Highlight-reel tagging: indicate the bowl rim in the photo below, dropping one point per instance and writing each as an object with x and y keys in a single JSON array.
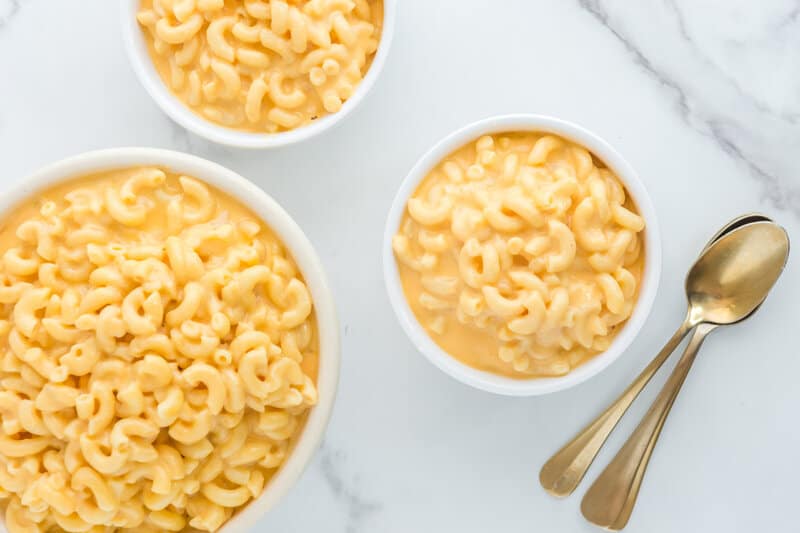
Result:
[
  {"x": 295, "y": 241},
  {"x": 488, "y": 381},
  {"x": 183, "y": 116}
]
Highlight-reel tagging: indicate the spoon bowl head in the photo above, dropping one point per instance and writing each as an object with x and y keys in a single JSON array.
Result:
[{"x": 736, "y": 272}]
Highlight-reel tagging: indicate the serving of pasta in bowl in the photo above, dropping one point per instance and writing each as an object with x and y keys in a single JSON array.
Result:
[
  {"x": 257, "y": 73},
  {"x": 170, "y": 349},
  {"x": 522, "y": 255}
]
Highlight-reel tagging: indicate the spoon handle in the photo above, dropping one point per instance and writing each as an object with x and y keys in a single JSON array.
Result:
[
  {"x": 562, "y": 473},
  {"x": 609, "y": 501}
]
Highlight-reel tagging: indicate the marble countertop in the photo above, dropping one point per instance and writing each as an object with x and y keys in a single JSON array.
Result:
[{"x": 703, "y": 98}]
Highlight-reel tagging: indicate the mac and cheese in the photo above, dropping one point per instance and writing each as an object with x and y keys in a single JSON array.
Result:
[
  {"x": 158, "y": 353},
  {"x": 521, "y": 254},
  {"x": 262, "y": 65}
]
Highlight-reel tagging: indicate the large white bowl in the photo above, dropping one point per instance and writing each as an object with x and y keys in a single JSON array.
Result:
[
  {"x": 652, "y": 271},
  {"x": 296, "y": 243},
  {"x": 177, "y": 110}
]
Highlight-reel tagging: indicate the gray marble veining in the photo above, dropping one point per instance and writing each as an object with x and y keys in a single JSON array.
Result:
[
  {"x": 359, "y": 508},
  {"x": 8, "y": 8},
  {"x": 748, "y": 127}
]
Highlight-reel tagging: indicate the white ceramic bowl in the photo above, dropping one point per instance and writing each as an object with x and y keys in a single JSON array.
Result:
[
  {"x": 485, "y": 380},
  {"x": 177, "y": 110},
  {"x": 297, "y": 244}
]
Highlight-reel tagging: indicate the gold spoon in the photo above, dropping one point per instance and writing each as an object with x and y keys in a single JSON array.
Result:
[
  {"x": 736, "y": 223},
  {"x": 726, "y": 285},
  {"x": 562, "y": 473}
]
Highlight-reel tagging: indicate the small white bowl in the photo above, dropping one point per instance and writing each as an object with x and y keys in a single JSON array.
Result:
[
  {"x": 486, "y": 380},
  {"x": 296, "y": 243},
  {"x": 180, "y": 113}
]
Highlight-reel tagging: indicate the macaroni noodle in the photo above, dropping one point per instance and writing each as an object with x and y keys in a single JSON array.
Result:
[
  {"x": 262, "y": 65},
  {"x": 521, "y": 254},
  {"x": 158, "y": 353}
]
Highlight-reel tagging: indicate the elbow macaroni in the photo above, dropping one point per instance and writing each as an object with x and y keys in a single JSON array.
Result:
[
  {"x": 262, "y": 65},
  {"x": 138, "y": 396},
  {"x": 521, "y": 254}
]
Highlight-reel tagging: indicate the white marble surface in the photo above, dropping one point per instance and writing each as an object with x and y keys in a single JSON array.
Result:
[{"x": 702, "y": 97}]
